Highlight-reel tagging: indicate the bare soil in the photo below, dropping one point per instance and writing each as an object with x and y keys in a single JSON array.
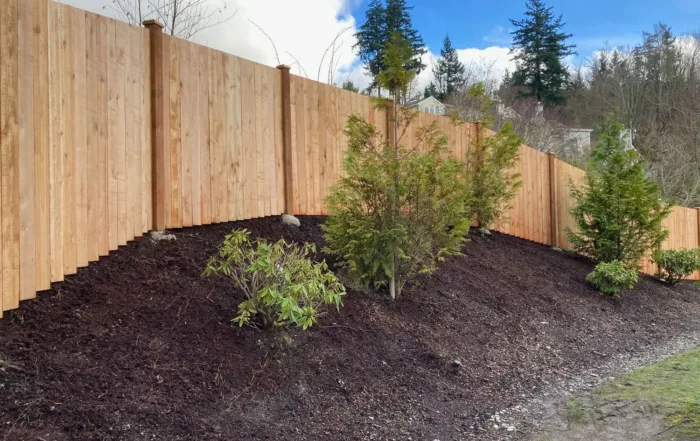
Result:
[{"x": 139, "y": 347}]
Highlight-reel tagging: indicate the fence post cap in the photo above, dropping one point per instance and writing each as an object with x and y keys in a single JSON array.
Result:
[
  {"x": 153, "y": 24},
  {"x": 551, "y": 153},
  {"x": 284, "y": 67}
]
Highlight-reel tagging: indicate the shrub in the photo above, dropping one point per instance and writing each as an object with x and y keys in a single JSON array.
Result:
[
  {"x": 392, "y": 217},
  {"x": 396, "y": 212},
  {"x": 491, "y": 183},
  {"x": 675, "y": 265},
  {"x": 282, "y": 285},
  {"x": 610, "y": 278},
  {"x": 618, "y": 211}
]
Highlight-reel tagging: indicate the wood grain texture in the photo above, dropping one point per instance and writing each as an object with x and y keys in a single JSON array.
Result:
[
  {"x": 41, "y": 146},
  {"x": 93, "y": 135},
  {"x": 187, "y": 116},
  {"x": 175, "y": 135},
  {"x": 205, "y": 139},
  {"x": 80, "y": 138},
  {"x": 231, "y": 148},
  {"x": 248, "y": 119},
  {"x": 70, "y": 251},
  {"x": 56, "y": 104},
  {"x": 25, "y": 96}
]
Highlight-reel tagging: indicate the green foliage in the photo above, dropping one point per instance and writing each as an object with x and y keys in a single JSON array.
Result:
[
  {"x": 539, "y": 47},
  {"x": 491, "y": 185},
  {"x": 449, "y": 71},
  {"x": 283, "y": 286},
  {"x": 397, "y": 55},
  {"x": 610, "y": 278},
  {"x": 430, "y": 90},
  {"x": 383, "y": 20},
  {"x": 618, "y": 211},
  {"x": 349, "y": 85},
  {"x": 396, "y": 212},
  {"x": 675, "y": 265}
]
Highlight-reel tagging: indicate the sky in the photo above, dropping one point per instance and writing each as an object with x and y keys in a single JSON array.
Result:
[{"x": 303, "y": 30}]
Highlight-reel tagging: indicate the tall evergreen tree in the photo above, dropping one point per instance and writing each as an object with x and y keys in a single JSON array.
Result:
[
  {"x": 449, "y": 71},
  {"x": 538, "y": 47},
  {"x": 383, "y": 20},
  {"x": 430, "y": 90}
]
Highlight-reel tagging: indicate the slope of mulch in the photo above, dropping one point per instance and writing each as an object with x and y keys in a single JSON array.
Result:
[{"x": 139, "y": 347}]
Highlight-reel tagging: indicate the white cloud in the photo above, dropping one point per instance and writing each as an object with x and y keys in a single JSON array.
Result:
[
  {"x": 487, "y": 65},
  {"x": 499, "y": 35},
  {"x": 303, "y": 28}
]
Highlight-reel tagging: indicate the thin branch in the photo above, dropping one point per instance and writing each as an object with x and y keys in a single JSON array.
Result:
[{"x": 277, "y": 55}]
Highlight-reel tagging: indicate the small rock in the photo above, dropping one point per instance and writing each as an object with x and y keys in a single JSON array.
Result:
[
  {"x": 289, "y": 219},
  {"x": 457, "y": 363},
  {"x": 484, "y": 232},
  {"x": 158, "y": 236},
  {"x": 557, "y": 249}
]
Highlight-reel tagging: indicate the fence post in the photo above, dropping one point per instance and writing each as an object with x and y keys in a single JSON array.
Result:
[
  {"x": 390, "y": 122},
  {"x": 553, "y": 198},
  {"x": 697, "y": 209},
  {"x": 286, "y": 103},
  {"x": 159, "y": 108}
]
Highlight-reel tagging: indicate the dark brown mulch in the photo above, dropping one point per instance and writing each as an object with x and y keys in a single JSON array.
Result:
[{"x": 139, "y": 347}]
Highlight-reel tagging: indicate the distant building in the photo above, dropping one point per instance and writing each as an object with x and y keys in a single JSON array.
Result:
[
  {"x": 580, "y": 139},
  {"x": 430, "y": 105}
]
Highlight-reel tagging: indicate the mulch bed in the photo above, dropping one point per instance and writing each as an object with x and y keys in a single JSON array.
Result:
[{"x": 139, "y": 347}]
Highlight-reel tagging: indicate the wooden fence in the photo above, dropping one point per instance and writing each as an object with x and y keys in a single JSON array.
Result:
[{"x": 108, "y": 131}]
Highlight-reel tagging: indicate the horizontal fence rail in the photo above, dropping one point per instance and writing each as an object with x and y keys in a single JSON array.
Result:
[{"x": 108, "y": 131}]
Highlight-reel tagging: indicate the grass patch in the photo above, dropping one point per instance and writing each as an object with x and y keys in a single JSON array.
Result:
[
  {"x": 574, "y": 410},
  {"x": 672, "y": 386}
]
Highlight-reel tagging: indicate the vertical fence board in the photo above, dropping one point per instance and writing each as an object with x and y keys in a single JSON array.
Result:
[
  {"x": 187, "y": 113},
  {"x": 70, "y": 252},
  {"x": 93, "y": 135},
  {"x": 41, "y": 147},
  {"x": 249, "y": 165},
  {"x": 25, "y": 94},
  {"x": 175, "y": 135},
  {"x": 80, "y": 138},
  {"x": 259, "y": 160},
  {"x": 232, "y": 86},
  {"x": 300, "y": 142},
  {"x": 56, "y": 135},
  {"x": 196, "y": 128},
  {"x": 204, "y": 159}
]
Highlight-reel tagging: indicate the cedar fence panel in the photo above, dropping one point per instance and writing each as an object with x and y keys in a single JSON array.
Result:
[{"x": 108, "y": 131}]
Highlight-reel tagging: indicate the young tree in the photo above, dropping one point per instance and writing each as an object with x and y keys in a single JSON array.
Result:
[
  {"x": 181, "y": 18},
  {"x": 491, "y": 185},
  {"x": 539, "y": 47},
  {"x": 449, "y": 71},
  {"x": 383, "y": 21},
  {"x": 619, "y": 212},
  {"x": 396, "y": 212}
]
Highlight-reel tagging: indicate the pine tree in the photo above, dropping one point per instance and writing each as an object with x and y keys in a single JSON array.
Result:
[
  {"x": 539, "y": 46},
  {"x": 430, "y": 90},
  {"x": 449, "y": 71},
  {"x": 619, "y": 212},
  {"x": 381, "y": 23}
]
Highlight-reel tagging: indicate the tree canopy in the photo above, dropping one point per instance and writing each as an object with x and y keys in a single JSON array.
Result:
[{"x": 539, "y": 45}]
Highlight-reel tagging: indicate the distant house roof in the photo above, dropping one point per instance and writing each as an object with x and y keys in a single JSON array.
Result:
[{"x": 426, "y": 102}]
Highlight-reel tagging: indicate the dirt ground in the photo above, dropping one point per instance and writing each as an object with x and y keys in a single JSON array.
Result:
[{"x": 139, "y": 347}]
